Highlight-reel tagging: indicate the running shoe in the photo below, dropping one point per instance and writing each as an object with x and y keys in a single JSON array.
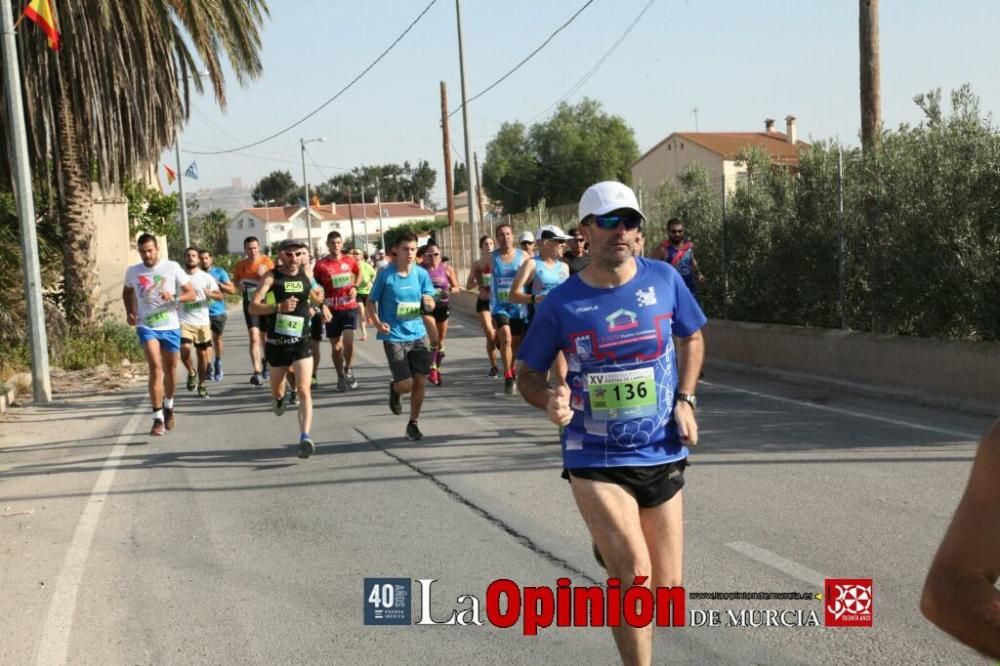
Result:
[
  {"x": 266, "y": 372},
  {"x": 279, "y": 407},
  {"x": 218, "y": 371},
  {"x": 352, "y": 383},
  {"x": 341, "y": 385},
  {"x": 255, "y": 379},
  {"x": 597, "y": 555},
  {"x": 494, "y": 372},
  {"x": 434, "y": 377},
  {"x": 306, "y": 447},
  {"x": 395, "y": 406},
  {"x": 168, "y": 418},
  {"x": 192, "y": 381},
  {"x": 157, "y": 429},
  {"x": 293, "y": 398},
  {"x": 314, "y": 382},
  {"x": 508, "y": 385},
  {"x": 203, "y": 391},
  {"x": 413, "y": 432}
]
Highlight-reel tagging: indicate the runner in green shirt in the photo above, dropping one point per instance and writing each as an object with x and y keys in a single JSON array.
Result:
[{"x": 364, "y": 288}]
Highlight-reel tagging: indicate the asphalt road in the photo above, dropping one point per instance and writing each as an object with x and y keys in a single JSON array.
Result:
[{"x": 216, "y": 544}]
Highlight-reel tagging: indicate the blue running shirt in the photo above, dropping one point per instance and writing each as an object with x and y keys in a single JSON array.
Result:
[
  {"x": 398, "y": 301},
  {"x": 503, "y": 279},
  {"x": 546, "y": 278},
  {"x": 216, "y": 308},
  {"x": 622, "y": 364}
]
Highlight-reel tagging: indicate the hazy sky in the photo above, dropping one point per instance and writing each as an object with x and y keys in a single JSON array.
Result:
[{"x": 737, "y": 61}]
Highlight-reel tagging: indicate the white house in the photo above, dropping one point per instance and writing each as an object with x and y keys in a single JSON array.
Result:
[{"x": 272, "y": 224}]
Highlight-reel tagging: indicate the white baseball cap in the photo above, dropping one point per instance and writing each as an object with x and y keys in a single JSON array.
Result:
[
  {"x": 551, "y": 231},
  {"x": 526, "y": 237},
  {"x": 605, "y": 197}
]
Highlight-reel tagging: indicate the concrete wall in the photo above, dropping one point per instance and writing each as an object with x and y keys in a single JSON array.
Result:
[
  {"x": 114, "y": 249},
  {"x": 944, "y": 371},
  {"x": 949, "y": 370}
]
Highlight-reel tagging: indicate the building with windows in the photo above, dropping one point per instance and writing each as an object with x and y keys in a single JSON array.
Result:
[
  {"x": 272, "y": 224},
  {"x": 716, "y": 152}
]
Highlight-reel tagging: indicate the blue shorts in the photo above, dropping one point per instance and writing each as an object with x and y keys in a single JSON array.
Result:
[{"x": 170, "y": 339}]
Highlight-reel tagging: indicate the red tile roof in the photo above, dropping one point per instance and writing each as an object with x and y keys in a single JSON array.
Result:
[
  {"x": 728, "y": 144},
  {"x": 340, "y": 212}
]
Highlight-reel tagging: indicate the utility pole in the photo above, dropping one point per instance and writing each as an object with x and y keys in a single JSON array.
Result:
[
  {"x": 180, "y": 187},
  {"x": 479, "y": 188},
  {"x": 378, "y": 202},
  {"x": 350, "y": 208},
  {"x": 473, "y": 227},
  {"x": 364, "y": 217},
  {"x": 871, "y": 129},
  {"x": 446, "y": 140},
  {"x": 871, "y": 95},
  {"x": 41, "y": 386}
]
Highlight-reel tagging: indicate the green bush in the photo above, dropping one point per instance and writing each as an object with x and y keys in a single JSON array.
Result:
[
  {"x": 110, "y": 343},
  {"x": 925, "y": 263}
]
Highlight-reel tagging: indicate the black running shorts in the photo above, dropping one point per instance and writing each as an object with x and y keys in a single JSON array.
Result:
[
  {"x": 651, "y": 486},
  {"x": 218, "y": 323},
  {"x": 517, "y": 326},
  {"x": 284, "y": 355},
  {"x": 343, "y": 320},
  {"x": 482, "y": 305},
  {"x": 441, "y": 312}
]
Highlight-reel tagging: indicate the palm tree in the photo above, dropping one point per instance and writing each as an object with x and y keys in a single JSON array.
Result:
[{"x": 105, "y": 106}]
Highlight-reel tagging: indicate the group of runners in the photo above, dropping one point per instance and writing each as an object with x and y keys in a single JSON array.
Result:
[{"x": 608, "y": 343}]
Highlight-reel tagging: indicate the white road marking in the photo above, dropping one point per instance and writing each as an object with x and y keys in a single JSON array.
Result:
[
  {"x": 54, "y": 645},
  {"x": 793, "y": 569},
  {"x": 849, "y": 412}
]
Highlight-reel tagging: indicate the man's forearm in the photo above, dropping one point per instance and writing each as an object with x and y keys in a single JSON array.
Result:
[
  {"x": 533, "y": 386},
  {"x": 690, "y": 357}
]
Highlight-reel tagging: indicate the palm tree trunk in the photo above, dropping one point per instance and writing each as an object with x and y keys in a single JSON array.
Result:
[{"x": 76, "y": 214}]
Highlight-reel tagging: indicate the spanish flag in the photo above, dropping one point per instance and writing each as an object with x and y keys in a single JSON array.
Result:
[
  {"x": 40, "y": 11},
  {"x": 171, "y": 175}
]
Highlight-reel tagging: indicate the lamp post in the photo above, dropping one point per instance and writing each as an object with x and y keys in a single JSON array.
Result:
[{"x": 305, "y": 186}]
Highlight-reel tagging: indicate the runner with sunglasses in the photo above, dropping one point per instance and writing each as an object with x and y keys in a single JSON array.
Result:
[
  {"x": 480, "y": 278},
  {"x": 540, "y": 275},
  {"x": 288, "y": 345},
  {"x": 626, "y": 417}
]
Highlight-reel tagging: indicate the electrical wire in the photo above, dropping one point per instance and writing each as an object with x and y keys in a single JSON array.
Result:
[
  {"x": 579, "y": 84},
  {"x": 332, "y": 99},
  {"x": 529, "y": 57}
]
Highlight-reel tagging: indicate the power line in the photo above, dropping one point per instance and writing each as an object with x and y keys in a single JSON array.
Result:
[
  {"x": 579, "y": 84},
  {"x": 331, "y": 100},
  {"x": 529, "y": 57}
]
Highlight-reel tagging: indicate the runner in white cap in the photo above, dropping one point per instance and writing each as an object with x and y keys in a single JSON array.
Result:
[
  {"x": 627, "y": 418},
  {"x": 540, "y": 275}
]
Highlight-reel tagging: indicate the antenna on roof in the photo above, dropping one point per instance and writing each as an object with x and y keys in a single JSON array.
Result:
[{"x": 695, "y": 109}]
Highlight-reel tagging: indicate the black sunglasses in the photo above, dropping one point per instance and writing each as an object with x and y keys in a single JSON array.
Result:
[{"x": 611, "y": 221}]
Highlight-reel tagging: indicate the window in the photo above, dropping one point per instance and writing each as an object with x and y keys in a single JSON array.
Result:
[{"x": 239, "y": 224}]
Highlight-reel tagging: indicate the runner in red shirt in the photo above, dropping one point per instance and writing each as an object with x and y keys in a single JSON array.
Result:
[{"x": 339, "y": 275}]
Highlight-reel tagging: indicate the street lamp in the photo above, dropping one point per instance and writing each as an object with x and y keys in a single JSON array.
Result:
[{"x": 305, "y": 186}]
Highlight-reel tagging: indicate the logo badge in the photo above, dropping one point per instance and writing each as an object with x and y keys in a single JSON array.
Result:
[
  {"x": 647, "y": 297},
  {"x": 386, "y": 600},
  {"x": 848, "y": 602},
  {"x": 621, "y": 320}
]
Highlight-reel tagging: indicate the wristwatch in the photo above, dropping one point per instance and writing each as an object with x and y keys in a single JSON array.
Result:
[{"x": 689, "y": 399}]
